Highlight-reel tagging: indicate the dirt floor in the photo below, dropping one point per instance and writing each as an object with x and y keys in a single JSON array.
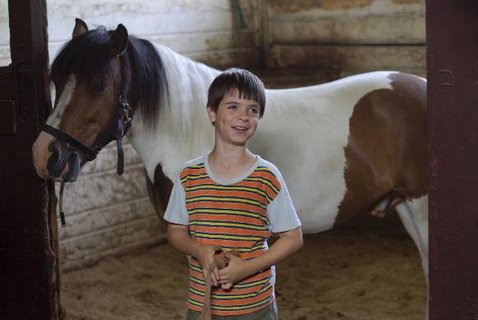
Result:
[{"x": 346, "y": 274}]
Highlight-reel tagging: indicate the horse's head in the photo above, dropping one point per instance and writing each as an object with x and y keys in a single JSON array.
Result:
[{"x": 90, "y": 79}]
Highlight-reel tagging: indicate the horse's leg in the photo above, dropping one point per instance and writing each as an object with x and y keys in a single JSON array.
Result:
[
  {"x": 159, "y": 191},
  {"x": 414, "y": 216}
]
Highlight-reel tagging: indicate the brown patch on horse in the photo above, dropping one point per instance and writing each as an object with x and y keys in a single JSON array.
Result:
[
  {"x": 97, "y": 113},
  {"x": 159, "y": 192},
  {"x": 386, "y": 155}
]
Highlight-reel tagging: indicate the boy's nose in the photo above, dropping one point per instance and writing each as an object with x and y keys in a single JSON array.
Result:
[{"x": 243, "y": 114}]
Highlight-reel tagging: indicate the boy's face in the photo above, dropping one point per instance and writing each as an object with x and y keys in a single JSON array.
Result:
[{"x": 235, "y": 119}]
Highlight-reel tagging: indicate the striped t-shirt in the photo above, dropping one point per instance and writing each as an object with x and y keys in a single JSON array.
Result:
[{"x": 238, "y": 214}]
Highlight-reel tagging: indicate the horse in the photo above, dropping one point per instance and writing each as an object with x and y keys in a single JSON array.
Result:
[{"x": 352, "y": 146}]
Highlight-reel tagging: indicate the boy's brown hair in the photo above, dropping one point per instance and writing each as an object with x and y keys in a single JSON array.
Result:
[{"x": 248, "y": 84}]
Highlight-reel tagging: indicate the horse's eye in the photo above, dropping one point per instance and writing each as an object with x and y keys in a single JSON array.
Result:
[{"x": 99, "y": 86}]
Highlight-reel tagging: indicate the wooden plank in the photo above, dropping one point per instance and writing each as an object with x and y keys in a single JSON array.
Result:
[
  {"x": 146, "y": 18},
  {"x": 382, "y": 29},
  {"x": 452, "y": 30},
  {"x": 8, "y": 121},
  {"x": 351, "y": 59},
  {"x": 101, "y": 219},
  {"x": 28, "y": 242},
  {"x": 211, "y": 41},
  {"x": 104, "y": 189},
  {"x": 313, "y": 9},
  {"x": 225, "y": 59},
  {"x": 82, "y": 252},
  {"x": 186, "y": 27}
]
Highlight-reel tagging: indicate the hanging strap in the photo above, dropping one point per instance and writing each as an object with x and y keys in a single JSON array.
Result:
[{"x": 60, "y": 205}]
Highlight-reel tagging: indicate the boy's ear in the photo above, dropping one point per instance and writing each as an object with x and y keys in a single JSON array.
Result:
[{"x": 211, "y": 114}]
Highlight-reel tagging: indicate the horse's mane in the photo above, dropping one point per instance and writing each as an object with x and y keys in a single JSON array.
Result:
[{"x": 88, "y": 53}]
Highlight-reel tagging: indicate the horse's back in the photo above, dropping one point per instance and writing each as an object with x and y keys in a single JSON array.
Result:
[
  {"x": 351, "y": 87},
  {"x": 375, "y": 117}
]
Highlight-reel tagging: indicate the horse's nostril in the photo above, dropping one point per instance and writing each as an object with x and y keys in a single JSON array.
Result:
[
  {"x": 55, "y": 164},
  {"x": 74, "y": 165},
  {"x": 63, "y": 159},
  {"x": 54, "y": 148}
]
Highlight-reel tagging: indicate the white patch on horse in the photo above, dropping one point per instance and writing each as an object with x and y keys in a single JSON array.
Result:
[
  {"x": 183, "y": 130},
  {"x": 307, "y": 141},
  {"x": 414, "y": 216},
  {"x": 55, "y": 118},
  {"x": 304, "y": 132}
]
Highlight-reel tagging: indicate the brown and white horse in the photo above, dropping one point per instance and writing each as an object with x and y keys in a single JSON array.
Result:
[{"x": 347, "y": 147}]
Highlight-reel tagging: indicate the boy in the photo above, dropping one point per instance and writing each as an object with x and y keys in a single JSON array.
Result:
[{"x": 231, "y": 199}]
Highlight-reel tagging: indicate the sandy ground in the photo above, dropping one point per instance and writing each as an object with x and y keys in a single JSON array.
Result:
[{"x": 345, "y": 274}]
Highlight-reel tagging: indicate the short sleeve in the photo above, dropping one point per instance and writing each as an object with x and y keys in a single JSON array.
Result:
[
  {"x": 176, "y": 211},
  {"x": 281, "y": 211}
]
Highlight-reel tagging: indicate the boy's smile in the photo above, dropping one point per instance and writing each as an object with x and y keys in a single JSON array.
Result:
[{"x": 235, "y": 119}]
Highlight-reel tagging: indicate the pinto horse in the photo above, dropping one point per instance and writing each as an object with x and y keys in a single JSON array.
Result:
[{"x": 351, "y": 146}]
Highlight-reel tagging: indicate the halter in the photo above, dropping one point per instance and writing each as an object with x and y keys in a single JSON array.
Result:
[{"x": 116, "y": 131}]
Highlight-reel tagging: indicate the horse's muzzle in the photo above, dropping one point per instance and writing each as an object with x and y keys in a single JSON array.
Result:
[{"x": 64, "y": 162}]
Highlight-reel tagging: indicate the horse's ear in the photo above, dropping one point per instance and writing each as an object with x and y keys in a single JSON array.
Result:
[
  {"x": 119, "y": 40},
  {"x": 80, "y": 27}
]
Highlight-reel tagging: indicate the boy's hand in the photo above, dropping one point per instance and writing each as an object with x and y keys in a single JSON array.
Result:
[
  {"x": 236, "y": 270},
  {"x": 205, "y": 256}
]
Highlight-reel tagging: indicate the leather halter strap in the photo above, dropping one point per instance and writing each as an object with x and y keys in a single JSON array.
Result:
[
  {"x": 117, "y": 130},
  {"x": 90, "y": 153}
]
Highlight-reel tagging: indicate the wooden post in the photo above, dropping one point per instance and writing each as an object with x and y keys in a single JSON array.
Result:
[
  {"x": 28, "y": 236},
  {"x": 452, "y": 64}
]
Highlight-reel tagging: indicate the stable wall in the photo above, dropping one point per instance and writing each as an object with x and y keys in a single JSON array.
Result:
[{"x": 352, "y": 36}]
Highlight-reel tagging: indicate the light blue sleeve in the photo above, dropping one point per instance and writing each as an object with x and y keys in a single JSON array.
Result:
[
  {"x": 176, "y": 211},
  {"x": 281, "y": 211}
]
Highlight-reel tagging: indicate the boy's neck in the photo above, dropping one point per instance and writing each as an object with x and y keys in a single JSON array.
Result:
[{"x": 230, "y": 162}]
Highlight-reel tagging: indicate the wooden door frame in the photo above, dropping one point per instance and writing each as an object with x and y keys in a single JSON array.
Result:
[
  {"x": 28, "y": 236},
  {"x": 452, "y": 72}
]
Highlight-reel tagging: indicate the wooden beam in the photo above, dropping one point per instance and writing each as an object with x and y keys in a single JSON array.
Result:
[
  {"x": 28, "y": 242},
  {"x": 452, "y": 68}
]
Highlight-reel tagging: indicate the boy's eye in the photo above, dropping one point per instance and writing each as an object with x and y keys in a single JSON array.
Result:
[
  {"x": 254, "y": 109},
  {"x": 231, "y": 107}
]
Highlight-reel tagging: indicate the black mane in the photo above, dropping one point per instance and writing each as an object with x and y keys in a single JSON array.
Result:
[{"x": 143, "y": 76}]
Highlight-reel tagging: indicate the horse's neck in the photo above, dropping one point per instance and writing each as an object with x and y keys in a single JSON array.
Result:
[{"x": 182, "y": 130}]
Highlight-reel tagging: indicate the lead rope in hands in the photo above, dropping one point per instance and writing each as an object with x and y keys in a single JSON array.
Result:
[{"x": 60, "y": 205}]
